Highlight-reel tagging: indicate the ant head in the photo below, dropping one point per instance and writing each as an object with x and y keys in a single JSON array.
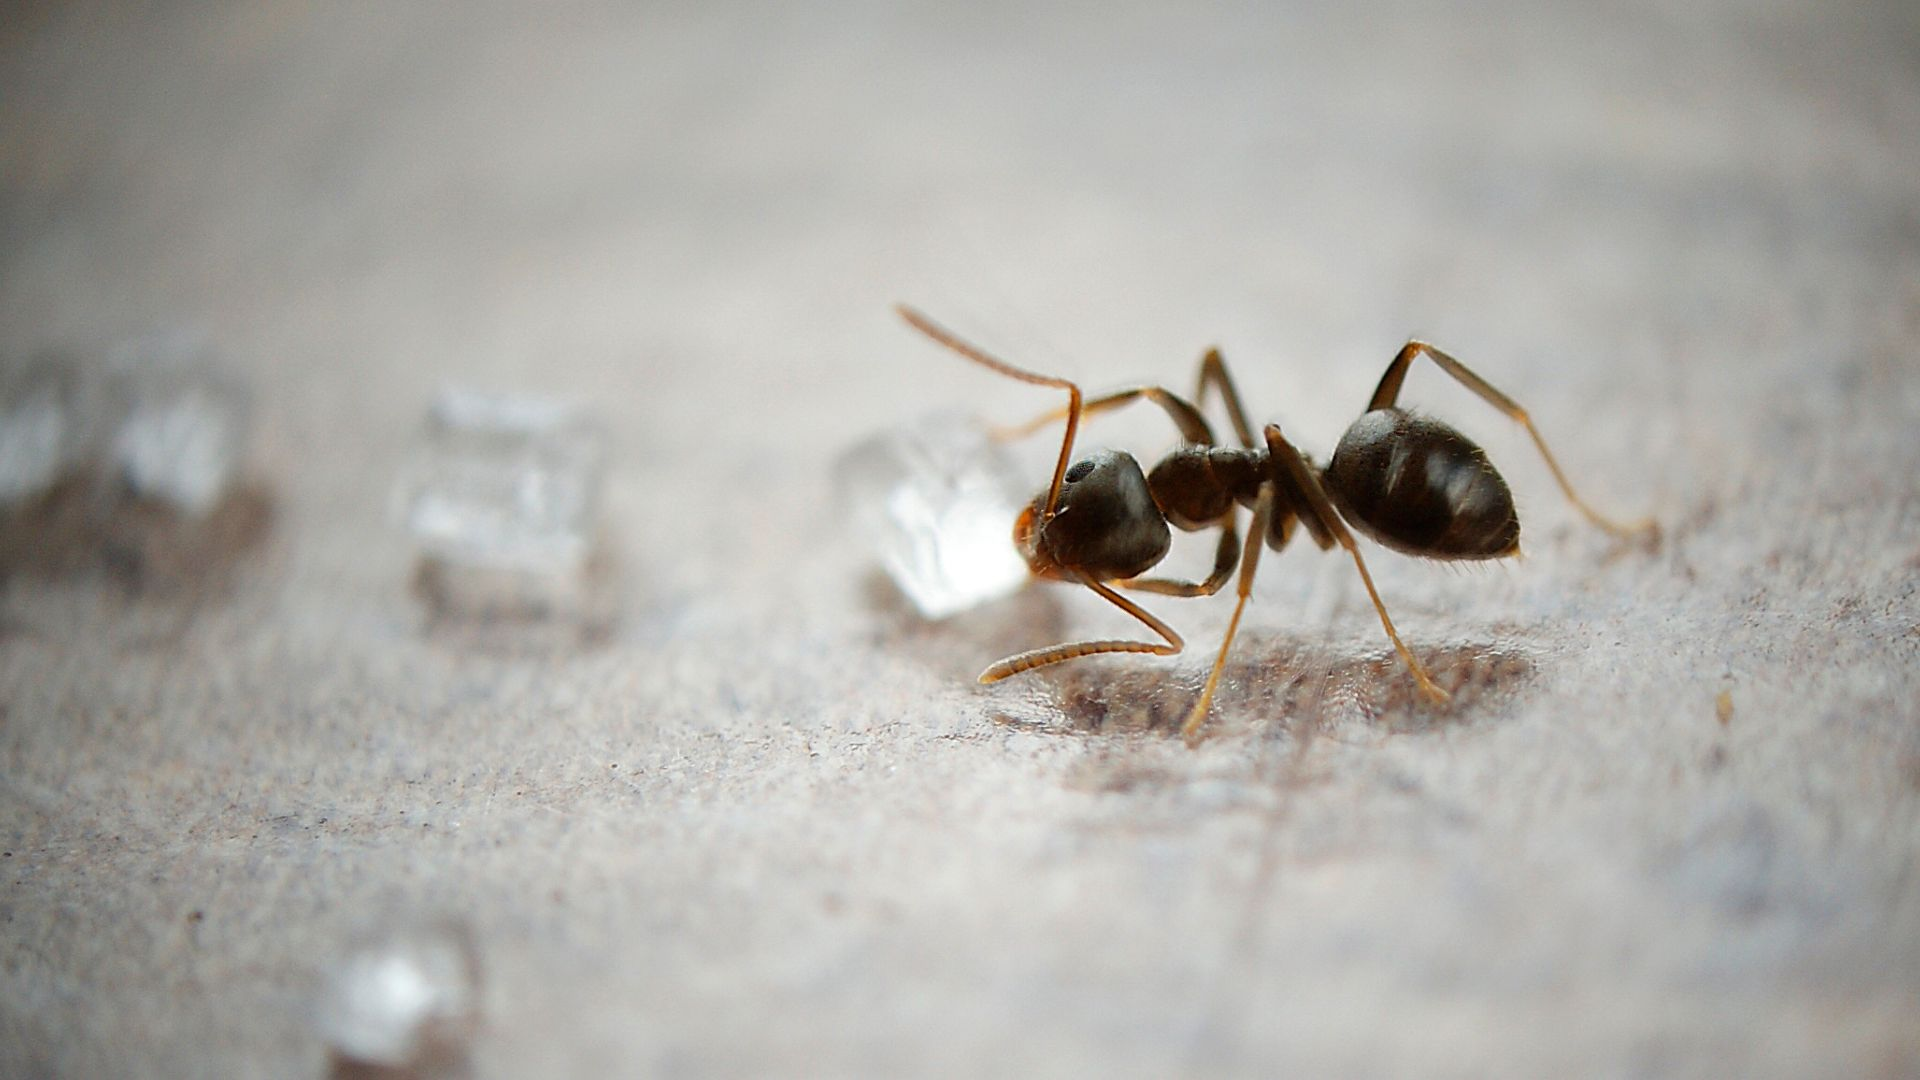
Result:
[
  {"x": 1422, "y": 488},
  {"x": 1104, "y": 525}
]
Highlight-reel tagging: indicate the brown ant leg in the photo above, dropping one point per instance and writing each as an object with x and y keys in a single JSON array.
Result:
[
  {"x": 1213, "y": 372},
  {"x": 980, "y": 356},
  {"x": 1249, "y": 563},
  {"x": 1054, "y": 654},
  {"x": 1193, "y": 426},
  {"x": 1186, "y": 414},
  {"x": 1389, "y": 392},
  {"x": 1224, "y": 557},
  {"x": 1322, "y": 507}
]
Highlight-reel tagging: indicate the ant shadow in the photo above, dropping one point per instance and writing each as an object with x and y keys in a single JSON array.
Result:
[
  {"x": 1277, "y": 698},
  {"x": 1275, "y": 685}
]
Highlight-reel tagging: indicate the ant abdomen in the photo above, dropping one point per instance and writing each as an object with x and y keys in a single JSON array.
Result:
[
  {"x": 1420, "y": 487},
  {"x": 1104, "y": 524}
]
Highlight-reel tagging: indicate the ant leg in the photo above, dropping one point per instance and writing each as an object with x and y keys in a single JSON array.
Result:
[
  {"x": 1224, "y": 557},
  {"x": 1054, "y": 654},
  {"x": 1389, "y": 392},
  {"x": 1309, "y": 485},
  {"x": 1185, "y": 413},
  {"x": 1249, "y": 563},
  {"x": 1213, "y": 372},
  {"x": 1193, "y": 426},
  {"x": 985, "y": 359}
]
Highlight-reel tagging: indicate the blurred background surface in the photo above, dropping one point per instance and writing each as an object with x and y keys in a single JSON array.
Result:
[{"x": 756, "y": 818}]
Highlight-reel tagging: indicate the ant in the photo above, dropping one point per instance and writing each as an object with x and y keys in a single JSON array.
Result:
[{"x": 1410, "y": 482}]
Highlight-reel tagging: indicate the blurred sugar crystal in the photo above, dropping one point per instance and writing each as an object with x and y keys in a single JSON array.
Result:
[
  {"x": 406, "y": 998},
  {"x": 501, "y": 494},
  {"x": 936, "y": 501},
  {"x": 182, "y": 435},
  {"x": 504, "y": 481},
  {"x": 131, "y": 463},
  {"x": 42, "y": 428}
]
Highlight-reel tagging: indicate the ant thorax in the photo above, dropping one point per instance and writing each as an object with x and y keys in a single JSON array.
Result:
[{"x": 1196, "y": 486}]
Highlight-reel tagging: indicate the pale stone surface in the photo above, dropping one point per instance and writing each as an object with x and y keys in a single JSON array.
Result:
[{"x": 766, "y": 823}]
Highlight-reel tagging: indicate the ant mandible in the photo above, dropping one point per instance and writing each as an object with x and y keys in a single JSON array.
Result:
[{"x": 1411, "y": 483}]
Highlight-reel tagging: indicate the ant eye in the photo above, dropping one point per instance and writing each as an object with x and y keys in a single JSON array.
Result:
[{"x": 1079, "y": 471}]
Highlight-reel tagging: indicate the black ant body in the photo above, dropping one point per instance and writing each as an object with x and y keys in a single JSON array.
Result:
[{"x": 1409, "y": 482}]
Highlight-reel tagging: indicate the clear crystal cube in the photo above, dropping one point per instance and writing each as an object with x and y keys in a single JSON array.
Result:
[
  {"x": 501, "y": 494},
  {"x": 404, "y": 998},
  {"x": 935, "y": 501},
  {"x": 504, "y": 482},
  {"x": 182, "y": 435}
]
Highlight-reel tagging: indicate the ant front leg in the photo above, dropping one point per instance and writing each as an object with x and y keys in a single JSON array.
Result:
[
  {"x": 1321, "y": 507},
  {"x": 1389, "y": 392},
  {"x": 1249, "y": 564}
]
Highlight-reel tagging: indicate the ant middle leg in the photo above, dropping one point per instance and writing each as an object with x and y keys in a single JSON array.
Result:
[
  {"x": 1073, "y": 650},
  {"x": 1249, "y": 564},
  {"x": 1321, "y": 507},
  {"x": 1388, "y": 393},
  {"x": 1185, "y": 413},
  {"x": 1213, "y": 372},
  {"x": 1224, "y": 557}
]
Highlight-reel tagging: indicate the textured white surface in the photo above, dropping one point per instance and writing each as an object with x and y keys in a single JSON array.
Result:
[{"x": 768, "y": 823}]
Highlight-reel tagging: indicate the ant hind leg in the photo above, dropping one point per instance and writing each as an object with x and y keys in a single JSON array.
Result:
[
  {"x": 1320, "y": 506},
  {"x": 1388, "y": 392}
]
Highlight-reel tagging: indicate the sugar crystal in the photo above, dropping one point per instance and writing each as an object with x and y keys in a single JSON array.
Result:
[
  {"x": 935, "y": 501},
  {"x": 408, "y": 996},
  {"x": 41, "y": 438},
  {"x": 182, "y": 436},
  {"x": 503, "y": 482}
]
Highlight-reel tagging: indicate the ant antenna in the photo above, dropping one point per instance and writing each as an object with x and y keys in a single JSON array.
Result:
[{"x": 944, "y": 336}]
